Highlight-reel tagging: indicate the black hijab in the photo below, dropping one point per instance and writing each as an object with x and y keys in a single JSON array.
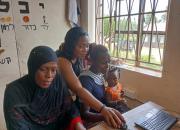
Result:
[
  {"x": 38, "y": 56},
  {"x": 43, "y": 106}
]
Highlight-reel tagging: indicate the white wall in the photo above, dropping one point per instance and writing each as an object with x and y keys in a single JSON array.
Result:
[
  {"x": 166, "y": 90},
  {"x": 88, "y": 17},
  {"x": 19, "y": 41}
]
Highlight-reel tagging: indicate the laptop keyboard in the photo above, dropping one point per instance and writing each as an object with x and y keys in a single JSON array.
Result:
[{"x": 159, "y": 121}]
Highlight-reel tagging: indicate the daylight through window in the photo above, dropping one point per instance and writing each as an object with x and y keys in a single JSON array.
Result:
[{"x": 133, "y": 30}]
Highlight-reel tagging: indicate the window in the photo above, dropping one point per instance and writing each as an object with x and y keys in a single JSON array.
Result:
[{"x": 133, "y": 30}]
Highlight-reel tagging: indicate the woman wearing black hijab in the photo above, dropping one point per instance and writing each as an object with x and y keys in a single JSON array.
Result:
[{"x": 40, "y": 99}]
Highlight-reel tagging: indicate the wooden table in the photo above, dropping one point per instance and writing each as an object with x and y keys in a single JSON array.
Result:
[{"x": 131, "y": 116}]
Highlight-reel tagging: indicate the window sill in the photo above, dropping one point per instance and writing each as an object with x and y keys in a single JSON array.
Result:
[{"x": 139, "y": 70}]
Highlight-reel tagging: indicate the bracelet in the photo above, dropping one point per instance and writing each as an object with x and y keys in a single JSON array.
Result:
[{"x": 101, "y": 108}]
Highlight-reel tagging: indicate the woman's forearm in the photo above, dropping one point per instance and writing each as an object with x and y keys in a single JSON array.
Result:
[
  {"x": 89, "y": 99},
  {"x": 93, "y": 117},
  {"x": 74, "y": 84}
]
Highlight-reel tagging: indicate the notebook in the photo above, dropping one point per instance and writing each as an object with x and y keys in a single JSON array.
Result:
[{"x": 156, "y": 119}]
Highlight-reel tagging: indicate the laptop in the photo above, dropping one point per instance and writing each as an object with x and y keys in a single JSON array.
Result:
[{"x": 156, "y": 119}]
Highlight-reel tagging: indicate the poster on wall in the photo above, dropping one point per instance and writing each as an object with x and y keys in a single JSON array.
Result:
[
  {"x": 32, "y": 26},
  {"x": 9, "y": 68},
  {"x": 25, "y": 24},
  {"x": 21, "y": 21},
  {"x": 31, "y": 16}
]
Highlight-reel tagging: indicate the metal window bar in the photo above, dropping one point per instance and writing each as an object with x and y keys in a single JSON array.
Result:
[
  {"x": 110, "y": 24},
  {"x": 161, "y": 11},
  {"x": 141, "y": 34},
  {"x": 152, "y": 27}
]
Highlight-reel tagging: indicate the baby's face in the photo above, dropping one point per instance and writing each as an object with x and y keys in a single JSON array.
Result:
[{"x": 112, "y": 80}]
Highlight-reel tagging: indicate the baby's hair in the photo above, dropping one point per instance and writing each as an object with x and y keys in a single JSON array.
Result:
[{"x": 113, "y": 70}]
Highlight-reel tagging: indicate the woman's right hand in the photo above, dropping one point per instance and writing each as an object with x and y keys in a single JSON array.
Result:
[{"x": 113, "y": 117}]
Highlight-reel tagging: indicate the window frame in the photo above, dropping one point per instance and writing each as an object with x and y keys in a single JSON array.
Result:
[{"x": 139, "y": 33}]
